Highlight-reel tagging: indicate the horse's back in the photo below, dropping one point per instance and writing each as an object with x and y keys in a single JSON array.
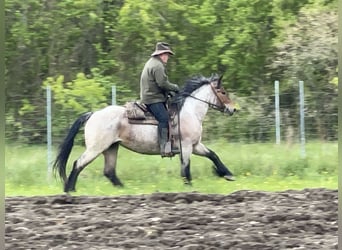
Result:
[
  {"x": 108, "y": 114},
  {"x": 104, "y": 125},
  {"x": 110, "y": 125}
]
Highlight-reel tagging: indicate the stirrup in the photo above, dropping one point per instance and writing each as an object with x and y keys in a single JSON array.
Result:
[
  {"x": 164, "y": 154},
  {"x": 167, "y": 152}
]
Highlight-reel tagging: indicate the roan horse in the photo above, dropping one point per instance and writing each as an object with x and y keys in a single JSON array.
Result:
[{"x": 106, "y": 129}]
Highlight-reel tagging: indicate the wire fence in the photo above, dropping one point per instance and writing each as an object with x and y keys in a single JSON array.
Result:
[
  {"x": 261, "y": 118},
  {"x": 289, "y": 117}
]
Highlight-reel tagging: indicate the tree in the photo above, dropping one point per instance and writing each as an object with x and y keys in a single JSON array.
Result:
[
  {"x": 309, "y": 53},
  {"x": 108, "y": 41}
]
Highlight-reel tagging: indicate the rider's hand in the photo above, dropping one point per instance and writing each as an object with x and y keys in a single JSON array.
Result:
[
  {"x": 175, "y": 88},
  {"x": 172, "y": 94}
]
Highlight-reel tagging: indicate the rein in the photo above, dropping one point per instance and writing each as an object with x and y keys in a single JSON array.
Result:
[{"x": 213, "y": 106}]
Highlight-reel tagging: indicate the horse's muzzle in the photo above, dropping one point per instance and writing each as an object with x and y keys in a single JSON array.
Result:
[{"x": 230, "y": 110}]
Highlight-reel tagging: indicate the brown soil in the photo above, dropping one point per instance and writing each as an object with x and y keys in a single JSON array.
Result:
[{"x": 305, "y": 219}]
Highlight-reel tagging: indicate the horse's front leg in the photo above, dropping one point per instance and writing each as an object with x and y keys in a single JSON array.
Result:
[
  {"x": 220, "y": 168},
  {"x": 185, "y": 164}
]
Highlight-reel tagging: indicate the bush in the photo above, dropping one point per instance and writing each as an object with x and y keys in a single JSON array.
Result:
[{"x": 294, "y": 167}]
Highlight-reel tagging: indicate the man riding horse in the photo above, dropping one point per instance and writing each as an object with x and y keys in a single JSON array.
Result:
[{"x": 154, "y": 89}]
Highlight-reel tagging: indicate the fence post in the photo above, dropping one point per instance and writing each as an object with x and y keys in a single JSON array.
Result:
[
  {"x": 277, "y": 112},
  {"x": 48, "y": 136},
  {"x": 114, "y": 95},
  {"x": 302, "y": 125}
]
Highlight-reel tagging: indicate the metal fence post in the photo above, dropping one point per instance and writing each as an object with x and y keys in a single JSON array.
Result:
[
  {"x": 113, "y": 95},
  {"x": 49, "y": 133},
  {"x": 277, "y": 112},
  {"x": 302, "y": 125}
]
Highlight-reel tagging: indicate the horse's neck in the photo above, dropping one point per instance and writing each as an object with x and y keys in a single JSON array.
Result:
[{"x": 198, "y": 105}]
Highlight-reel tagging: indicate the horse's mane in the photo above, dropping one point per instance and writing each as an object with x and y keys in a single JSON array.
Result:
[{"x": 190, "y": 86}]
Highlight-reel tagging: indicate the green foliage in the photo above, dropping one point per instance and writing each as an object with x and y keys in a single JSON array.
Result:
[
  {"x": 80, "y": 95},
  {"x": 314, "y": 29},
  {"x": 294, "y": 168},
  {"x": 335, "y": 79},
  {"x": 97, "y": 44},
  {"x": 246, "y": 42},
  {"x": 308, "y": 52},
  {"x": 327, "y": 168},
  {"x": 70, "y": 99},
  {"x": 26, "y": 107}
]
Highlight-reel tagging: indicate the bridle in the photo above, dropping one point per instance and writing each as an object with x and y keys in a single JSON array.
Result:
[{"x": 220, "y": 94}]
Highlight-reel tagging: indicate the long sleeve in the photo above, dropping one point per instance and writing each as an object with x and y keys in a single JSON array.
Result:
[{"x": 163, "y": 81}]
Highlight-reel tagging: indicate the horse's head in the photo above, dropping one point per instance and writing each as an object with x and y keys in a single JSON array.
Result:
[{"x": 223, "y": 99}]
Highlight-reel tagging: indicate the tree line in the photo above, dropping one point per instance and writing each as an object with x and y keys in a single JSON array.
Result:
[{"x": 81, "y": 48}]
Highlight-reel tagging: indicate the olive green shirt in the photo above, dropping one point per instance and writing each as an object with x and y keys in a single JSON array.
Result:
[{"x": 154, "y": 83}]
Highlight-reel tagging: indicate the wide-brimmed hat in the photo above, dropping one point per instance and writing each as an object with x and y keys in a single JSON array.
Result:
[{"x": 162, "y": 48}]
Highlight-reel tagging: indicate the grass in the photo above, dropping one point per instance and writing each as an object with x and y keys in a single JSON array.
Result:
[{"x": 267, "y": 167}]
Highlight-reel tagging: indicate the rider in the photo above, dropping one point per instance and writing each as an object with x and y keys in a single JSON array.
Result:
[{"x": 154, "y": 89}]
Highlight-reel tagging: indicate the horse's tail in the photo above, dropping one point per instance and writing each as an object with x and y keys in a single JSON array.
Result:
[{"x": 66, "y": 146}]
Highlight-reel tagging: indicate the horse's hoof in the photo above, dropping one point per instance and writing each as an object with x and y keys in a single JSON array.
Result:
[
  {"x": 68, "y": 189},
  {"x": 118, "y": 184},
  {"x": 68, "y": 192},
  {"x": 229, "y": 177},
  {"x": 187, "y": 182}
]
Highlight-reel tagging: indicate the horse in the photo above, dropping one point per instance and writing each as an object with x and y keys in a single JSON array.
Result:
[{"x": 108, "y": 128}]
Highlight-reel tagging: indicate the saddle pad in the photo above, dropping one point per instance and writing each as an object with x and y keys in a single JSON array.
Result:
[{"x": 133, "y": 111}]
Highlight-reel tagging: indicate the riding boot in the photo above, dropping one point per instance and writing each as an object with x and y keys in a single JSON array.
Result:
[{"x": 164, "y": 143}]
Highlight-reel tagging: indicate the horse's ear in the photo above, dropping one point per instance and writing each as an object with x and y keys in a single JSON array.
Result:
[{"x": 219, "y": 82}]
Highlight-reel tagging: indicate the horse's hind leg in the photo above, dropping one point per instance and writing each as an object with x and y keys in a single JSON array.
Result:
[
  {"x": 220, "y": 168},
  {"x": 109, "y": 171},
  {"x": 87, "y": 157}
]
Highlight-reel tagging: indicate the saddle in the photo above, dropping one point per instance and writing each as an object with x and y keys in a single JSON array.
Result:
[{"x": 137, "y": 113}]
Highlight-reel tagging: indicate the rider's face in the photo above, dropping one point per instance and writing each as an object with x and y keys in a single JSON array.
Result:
[{"x": 164, "y": 57}]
